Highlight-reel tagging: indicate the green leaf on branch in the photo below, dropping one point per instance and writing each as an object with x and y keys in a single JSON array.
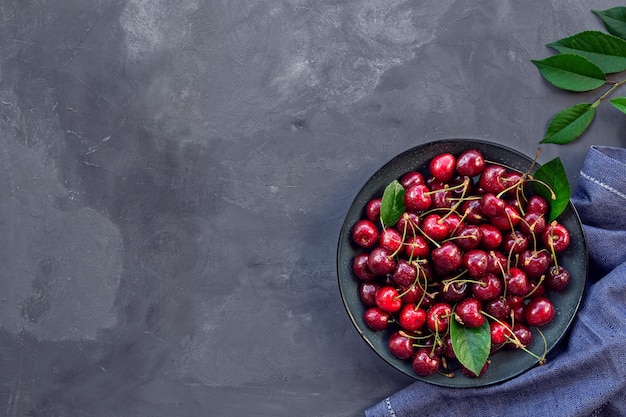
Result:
[
  {"x": 392, "y": 204},
  {"x": 569, "y": 124},
  {"x": 606, "y": 51},
  {"x": 571, "y": 72},
  {"x": 550, "y": 181},
  {"x": 614, "y": 20},
  {"x": 619, "y": 103},
  {"x": 471, "y": 345}
]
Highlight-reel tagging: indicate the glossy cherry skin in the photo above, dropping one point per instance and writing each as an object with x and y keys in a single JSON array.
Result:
[
  {"x": 376, "y": 318},
  {"x": 523, "y": 334},
  {"x": 390, "y": 239},
  {"x": 533, "y": 223},
  {"x": 404, "y": 274},
  {"x": 447, "y": 257},
  {"x": 537, "y": 204},
  {"x": 491, "y": 205},
  {"x": 365, "y": 233},
  {"x": 424, "y": 363},
  {"x": 411, "y": 178},
  {"x": 434, "y": 227},
  {"x": 476, "y": 262},
  {"x": 558, "y": 278},
  {"x": 416, "y": 198},
  {"x": 470, "y": 163},
  {"x": 491, "y": 179},
  {"x": 367, "y": 293},
  {"x": 468, "y": 236},
  {"x": 408, "y": 224},
  {"x": 411, "y": 317},
  {"x": 534, "y": 263},
  {"x": 500, "y": 332},
  {"x": 491, "y": 236},
  {"x": 380, "y": 261},
  {"x": 387, "y": 299},
  {"x": 417, "y": 247},
  {"x": 372, "y": 209},
  {"x": 515, "y": 242},
  {"x": 468, "y": 312},
  {"x": 438, "y": 317},
  {"x": 490, "y": 287},
  {"x": 360, "y": 268},
  {"x": 539, "y": 312},
  {"x": 557, "y": 236},
  {"x": 400, "y": 345},
  {"x": 456, "y": 291},
  {"x": 497, "y": 307},
  {"x": 442, "y": 167},
  {"x": 517, "y": 282}
]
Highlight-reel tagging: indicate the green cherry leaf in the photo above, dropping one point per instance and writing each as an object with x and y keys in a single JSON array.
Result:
[
  {"x": 470, "y": 345},
  {"x": 569, "y": 124},
  {"x": 392, "y": 204},
  {"x": 614, "y": 20},
  {"x": 619, "y": 103},
  {"x": 550, "y": 182},
  {"x": 571, "y": 72},
  {"x": 606, "y": 51}
]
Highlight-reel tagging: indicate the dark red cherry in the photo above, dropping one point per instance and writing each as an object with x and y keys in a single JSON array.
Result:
[
  {"x": 360, "y": 268},
  {"x": 442, "y": 166},
  {"x": 367, "y": 293},
  {"x": 470, "y": 163},
  {"x": 539, "y": 312},
  {"x": 534, "y": 263},
  {"x": 453, "y": 292},
  {"x": 390, "y": 239},
  {"x": 488, "y": 287},
  {"x": 376, "y": 318},
  {"x": 408, "y": 224},
  {"x": 491, "y": 236},
  {"x": 468, "y": 312},
  {"x": 471, "y": 374},
  {"x": 472, "y": 212},
  {"x": 438, "y": 317},
  {"x": 380, "y": 261},
  {"x": 491, "y": 205},
  {"x": 523, "y": 335},
  {"x": 500, "y": 332},
  {"x": 411, "y": 178},
  {"x": 491, "y": 179},
  {"x": 532, "y": 224},
  {"x": 508, "y": 220},
  {"x": 417, "y": 247},
  {"x": 425, "y": 363},
  {"x": 417, "y": 198},
  {"x": 468, "y": 236},
  {"x": 411, "y": 317},
  {"x": 412, "y": 294},
  {"x": 404, "y": 274},
  {"x": 365, "y": 233},
  {"x": 517, "y": 282},
  {"x": 556, "y": 235},
  {"x": 557, "y": 278},
  {"x": 372, "y": 210},
  {"x": 400, "y": 345},
  {"x": 515, "y": 242},
  {"x": 387, "y": 299},
  {"x": 434, "y": 227},
  {"x": 497, "y": 307},
  {"x": 476, "y": 262},
  {"x": 447, "y": 257},
  {"x": 537, "y": 204},
  {"x": 497, "y": 262}
]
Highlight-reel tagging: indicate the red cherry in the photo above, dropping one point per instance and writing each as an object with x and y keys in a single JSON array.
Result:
[
  {"x": 539, "y": 312},
  {"x": 411, "y": 317},
  {"x": 365, "y": 233},
  {"x": 372, "y": 210},
  {"x": 376, "y": 318},
  {"x": 470, "y": 163},
  {"x": 387, "y": 299},
  {"x": 425, "y": 363},
  {"x": 438, "y": 317},
  {"x": 442, "y": 166},
  {"x": 417, "y": 198}
]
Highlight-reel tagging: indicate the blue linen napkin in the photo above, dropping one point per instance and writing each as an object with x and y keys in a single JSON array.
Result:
[{"x": 586, "y": 376}]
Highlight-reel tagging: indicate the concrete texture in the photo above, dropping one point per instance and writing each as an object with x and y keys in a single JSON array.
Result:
[{"x": 176, "y": 172}]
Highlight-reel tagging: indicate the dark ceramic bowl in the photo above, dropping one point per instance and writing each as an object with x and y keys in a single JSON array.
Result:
[{"x": 506, "y": 363}]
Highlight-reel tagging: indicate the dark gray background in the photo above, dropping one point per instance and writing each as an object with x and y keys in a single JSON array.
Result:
[{"x": 175, "y": 175}]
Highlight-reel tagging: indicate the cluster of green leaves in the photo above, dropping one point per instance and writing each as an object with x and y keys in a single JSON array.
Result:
[{"x": 585, "y": 62}]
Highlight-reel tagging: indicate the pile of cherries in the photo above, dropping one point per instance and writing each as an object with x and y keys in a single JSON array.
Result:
[{"x": 472, "y": 245}]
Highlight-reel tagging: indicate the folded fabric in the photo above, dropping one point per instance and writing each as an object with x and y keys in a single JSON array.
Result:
[{"x": 586, "y": 374}]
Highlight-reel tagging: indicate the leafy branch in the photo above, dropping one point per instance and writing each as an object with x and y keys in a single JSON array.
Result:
[{"x": 584, "y": 62}]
